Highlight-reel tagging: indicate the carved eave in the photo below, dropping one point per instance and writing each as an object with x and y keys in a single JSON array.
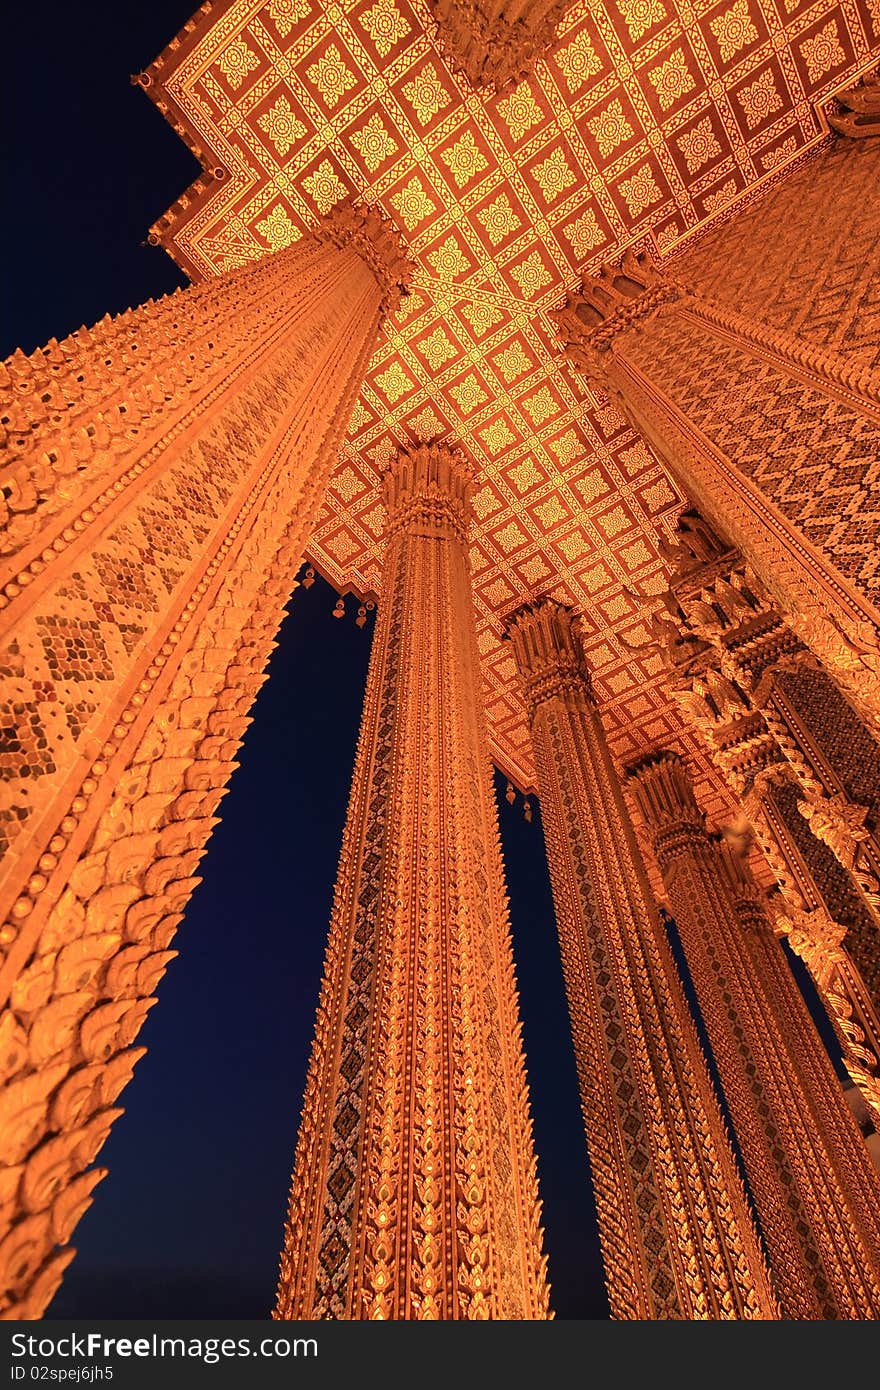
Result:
[
  {"x": 495, "y": 42},
  {"x": 692, "y": 570},
  {"x": 161, "y": 233},
  {"x": 702, "y": 575},
  {"x": 686, "y": 658}
]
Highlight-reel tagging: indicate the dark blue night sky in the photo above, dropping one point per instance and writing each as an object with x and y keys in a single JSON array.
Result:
[{"x": 189, "y": 1221}]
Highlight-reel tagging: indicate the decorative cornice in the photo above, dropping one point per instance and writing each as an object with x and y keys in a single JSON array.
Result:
[
  {"x": 161, "y": 232},
  {"x": 817, "y": 366},
  {"x": 495, "y": 42},
  {"x": 609, "y": 303}
]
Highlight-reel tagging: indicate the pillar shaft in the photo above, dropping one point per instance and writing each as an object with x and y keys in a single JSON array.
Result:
[
  {"x": 170, "y": 465},
  {"x": 414, "y": 1192},
  {"x": 815, "y": 1188},
  {"x": 731, "y": 405},
  {"x": 676, "y": 1232}
]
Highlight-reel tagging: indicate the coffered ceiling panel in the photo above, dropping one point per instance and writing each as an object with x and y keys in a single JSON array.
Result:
[{"x": 646, "y": 119}]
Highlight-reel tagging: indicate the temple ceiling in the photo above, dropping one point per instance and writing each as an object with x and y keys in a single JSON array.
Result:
[{"x": 647, "y": 119}]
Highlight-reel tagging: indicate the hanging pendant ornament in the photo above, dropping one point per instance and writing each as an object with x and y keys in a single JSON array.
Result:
[
  {"x": 510, "y": 794},
  {"x": 361, "y": 618},
  {"x": 339, "y": 610},
  {"x": 527, "y": 810},
  {"x": 308, "y": 578}
]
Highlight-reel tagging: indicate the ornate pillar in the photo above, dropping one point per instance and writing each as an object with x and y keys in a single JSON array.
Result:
[
  {"x": 782, "y": 736},
  {"x": 833, "y": 755},
  {"x": 675, "y": 1227},
  {"x": 414, "y": 1191},
  {"x": 816, "y": 1191},
  {"x": 759, "y": 428},
  {"x": 495, "y": 42},
  {"x": 170, "y": 465},
  {"x": 860, "y": 117}
]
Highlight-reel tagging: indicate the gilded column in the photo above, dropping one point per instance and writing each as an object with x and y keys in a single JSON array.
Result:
[
  {"x": 727, "y": 623},
  {"x": 168, "y": 466},
  {"x": 414, "y": 1191},
  {"x": 759, "y": 428},
  {"x": 496, "y": 42},
  {"x": 816, "y": 1191},
  {"x": 675, "y": 1227},
  {"x": 833, "y": 754},
  {"x": 783, "y": 737}
]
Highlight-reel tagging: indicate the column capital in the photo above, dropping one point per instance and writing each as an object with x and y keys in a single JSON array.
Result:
[
  {"x": 608, "y": 303},
  {"x": 495, "y": 42},
  {"x": 376, "y": 240},
  {"x": 663, "y": 792},
  {"x": 548, "y": 653},
  {"x": 427, "y": 492}
]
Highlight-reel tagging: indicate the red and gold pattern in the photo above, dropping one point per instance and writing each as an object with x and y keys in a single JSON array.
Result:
[{"x": 644, "y": 121}]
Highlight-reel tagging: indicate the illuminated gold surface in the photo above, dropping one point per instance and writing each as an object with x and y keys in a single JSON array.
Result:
[
  {"x": 676, "y": 1230},
  {"x": 178, "y": 455},
  {"x": 815, "y": 1188},
  {"x": 799, "y": 760},
  {"x": 167, "y": 467},
  {"x": 645, "y": 121},
  {"x": 414, "y": 1192}
]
